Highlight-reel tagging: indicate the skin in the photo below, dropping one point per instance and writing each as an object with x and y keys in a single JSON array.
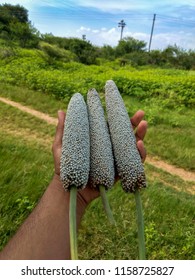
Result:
[{"x": 45, "y": 233}]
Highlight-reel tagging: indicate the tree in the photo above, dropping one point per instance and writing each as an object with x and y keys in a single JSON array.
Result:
[
  {"x": 86, "y": 53},
  {"x": 84, "y": 50},
  {"x": 129, "y": 45},
  {"x": 61, "y": 42},
  {"x": 107, "y": 52},
  {"x": 25, "y": 34},
  {"x": 53, "y": 53},
  {"x": 15, "y": 26},
  {"x": 155, "y": 58},
  {"x": 12, "y": 13}
]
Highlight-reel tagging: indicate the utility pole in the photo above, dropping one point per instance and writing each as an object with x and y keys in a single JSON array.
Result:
[
  {"x": 154, "y": 18},
  {"x": 121, "y": 24},
  {"x": 84, "y": 37}
]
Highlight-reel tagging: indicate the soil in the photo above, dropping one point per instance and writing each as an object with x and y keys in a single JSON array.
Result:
[
  {"x": 33, "y": 112},
  {"x": 180, "y": 172}
]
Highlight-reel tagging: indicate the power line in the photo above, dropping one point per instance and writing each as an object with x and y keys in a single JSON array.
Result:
[{"x": 81, "y": 13}]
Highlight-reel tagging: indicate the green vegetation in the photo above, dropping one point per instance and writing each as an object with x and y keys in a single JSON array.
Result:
[
  {"x": 43, "y": 71},
  {"x": 170, "y": 237},
  {"x": 21, "y": 183},
  {"x": 170, "y": 133},
  {"x": 168, "y": 225},
  {"x": 164, "y": 114},
  {"x": 17, "y": 30},
  {"x": 37, "y": 101},
  {"x": 30, "y": 68}
]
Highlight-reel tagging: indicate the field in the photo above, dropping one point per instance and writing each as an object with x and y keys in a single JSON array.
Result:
[{"x": 166, "y": 96}]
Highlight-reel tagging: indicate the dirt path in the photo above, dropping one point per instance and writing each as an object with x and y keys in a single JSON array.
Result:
[
  {"x": 33, "y": 112},
  {"x": 183, "y": 174},
  {"x": 180, "y": 172}
]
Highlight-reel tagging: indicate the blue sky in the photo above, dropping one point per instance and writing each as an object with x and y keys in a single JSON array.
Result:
[{"x": 98, "y": 20}]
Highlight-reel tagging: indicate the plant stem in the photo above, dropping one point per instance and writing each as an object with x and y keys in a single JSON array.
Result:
[
  {"x": 140, "y": 225},
  {"x": 106, "y": 205},
  {"x": 73, "y": 223}
]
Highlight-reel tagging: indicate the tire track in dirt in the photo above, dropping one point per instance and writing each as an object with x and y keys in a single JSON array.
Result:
[{"x": 180, "y": 172}]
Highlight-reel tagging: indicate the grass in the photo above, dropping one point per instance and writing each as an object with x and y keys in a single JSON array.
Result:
[
  {"x": 164, "y": 125},
  {"x": 169, "y": 180},
  {"x": 25, "y": 145},
  {"x": 36, "y": 100},
  {"x": 171, "y": 133},
  {"x": 13, "y": 118},
  {"x": 169, "y": 225},
  {"x": 27, "y": 167},
  {"x": 163, "y": 141}
]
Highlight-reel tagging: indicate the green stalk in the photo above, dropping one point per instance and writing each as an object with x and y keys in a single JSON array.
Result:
[
  {"x": 73, "y": 223},
  {"x": 140, "y": 225},
  {"x": 106, "y": 205}
]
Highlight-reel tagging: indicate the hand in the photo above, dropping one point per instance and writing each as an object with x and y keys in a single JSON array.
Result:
[
  {"x": 140, "y": 127},
  {"x": 88, "y": 194},
  {"x": 57, "y": 144}
]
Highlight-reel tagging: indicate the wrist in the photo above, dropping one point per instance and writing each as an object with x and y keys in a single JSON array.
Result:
[
  {"x": 56, "y": 182},
  {"x": 81, "y": 201}
]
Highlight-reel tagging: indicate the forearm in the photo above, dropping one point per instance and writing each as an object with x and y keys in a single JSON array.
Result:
[{"x": 45, "y": 233}]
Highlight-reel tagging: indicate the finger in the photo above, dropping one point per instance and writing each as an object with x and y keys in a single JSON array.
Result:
[
  {"x": 59, "y": 129},
  {"x": 136, "y": 119},
  {"x": 141, "y": 130},
  {"x": 141, "y": 149}
]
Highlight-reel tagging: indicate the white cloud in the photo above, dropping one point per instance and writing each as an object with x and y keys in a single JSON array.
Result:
[
  {"x": 105, "y": 36},
  {"x": 112, "y": 31},
  {"x": 165, "y": 31},
  {"x": 161, "y": 40},
  {"x": 100, "y": 36},
  {"x": 95, "y": 31},
  {"x": 83, "y": 29}
]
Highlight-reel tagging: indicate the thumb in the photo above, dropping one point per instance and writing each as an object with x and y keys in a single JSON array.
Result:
[{"x": 59, "y": 129}]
